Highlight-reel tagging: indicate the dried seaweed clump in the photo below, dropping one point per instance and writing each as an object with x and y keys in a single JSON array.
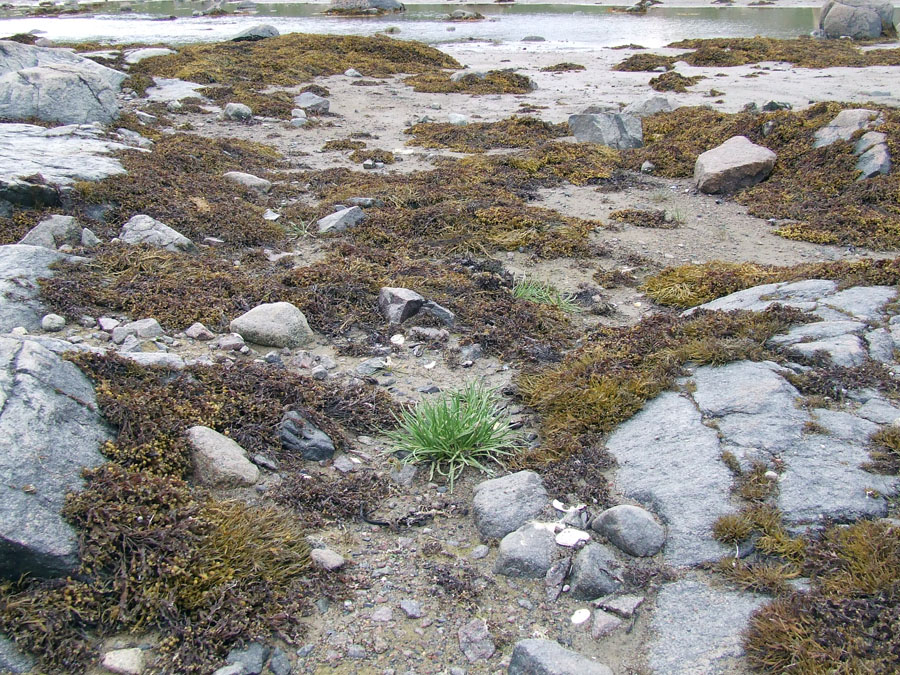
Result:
[
  {"x": 691, "y": 285},
  {"x": 885, "y": 451},
  {"x": 672, "y": 81},
  {"x": 491, "y": 82},
  {"x": 564, "y": 67},
  {"x": 157, "y": 557},
  {"x": 17, "y": 225},
  {"x": 639, "y": 63},
  {"x": 317, "y": 499},
  {"x": 292, "y": 59},
  {"x": 153, "y": 408},
  {"x": 180, "y": 183},
  {"x": 609, "y": 379},
  {"x": 374, "y": 155},
  {"x": 847, "y": 621},
  {"x": 824, "y": 380},
  {"x": 641, "y": 218},
  {"x": 514, "y": 132}
]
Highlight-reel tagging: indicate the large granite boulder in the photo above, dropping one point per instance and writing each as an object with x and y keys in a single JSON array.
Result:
[
  {"x": 55, "y": 85},
  {"x": 616, "y": 130},
  {"x": 858, "y": 19},
  {"x": 20, "y": 268},
  {"x": 734, "y": 165},
  {"x": 51, "y": 430}
]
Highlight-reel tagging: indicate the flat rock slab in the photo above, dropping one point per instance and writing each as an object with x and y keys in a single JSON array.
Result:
[
  {"x": 51, "y": 430},
  {"x": 547, "y": 657},
  {"x": 170, "y": 89},
  {"x": 668, "y": 459},
  {"x": 20, "y": 268},
  {"x": 697, "y": 628}
]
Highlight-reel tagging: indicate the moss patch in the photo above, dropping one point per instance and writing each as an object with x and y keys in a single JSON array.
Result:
[
  {"x": 492, "y": 82},
  {"x": 514, "y": 132}
]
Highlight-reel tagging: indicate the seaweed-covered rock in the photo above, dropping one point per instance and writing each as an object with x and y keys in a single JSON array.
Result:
[
  {"x": 218, "y": 460},
  {"x": 258, "y": 32},
  {"x": 616, "y": 130},
  {"x": 55, "y": 85},
  {"x": 142, "y": 229},
  {"x": 20, "y": 268},
  {"x": 547, "y": 657},
  {"x": 858, "y": 19},
  {"x": 53, "y": 232},
  {"x": 736, "y": 164},
  {"x": 631, "y": 529},
  {"x": 298, "y": 434},
  {"x": 51, "y": 430},
  {"x": 502, "y": 505},
  {"x": 274, "y": 324}
]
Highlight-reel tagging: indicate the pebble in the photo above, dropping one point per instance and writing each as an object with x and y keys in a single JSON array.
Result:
[
  {"x": 412, "y": 609},
  {"x": 53, "y": 323},
  {"x": 356, "y": 652},
  {"x": 580, "y": 616}
]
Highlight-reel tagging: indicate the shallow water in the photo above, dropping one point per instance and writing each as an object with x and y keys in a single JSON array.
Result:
[{"x": 563, "y": 26}]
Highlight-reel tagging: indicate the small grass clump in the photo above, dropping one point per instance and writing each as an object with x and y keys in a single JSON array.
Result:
[
  {"x": 564, "y": 67},
  {"x": 656, "y": 218},
  {"x": 156, "y": 556},
  {"x": 618, "y": 370},
  {"x": 691, "y": 285},
  {"x": 543, "y": 293},
  {"x": 514, "y": 132},
  {"x": 491, "y": 82},
  {"x": 459, "y": 429},
  {"x": 885, "y": 451},
  {"x": 672, "y": 81}
]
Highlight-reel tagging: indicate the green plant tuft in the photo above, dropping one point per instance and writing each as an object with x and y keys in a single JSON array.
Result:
[{"x": 544, "y": 294}]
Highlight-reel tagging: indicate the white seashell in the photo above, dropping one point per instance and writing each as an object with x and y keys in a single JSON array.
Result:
[
  {"x": 398, "y": 340},
  {"x": 571, "y": 537},
  {"x": 580, "y": 616}
]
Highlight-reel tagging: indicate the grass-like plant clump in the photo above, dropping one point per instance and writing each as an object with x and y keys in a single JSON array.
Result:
[
  {"x": 514, "y": 132},
  {"x": 543, "y": 293},
  {"x": 459, "y": 429},
  {"x": 491, "y": 82}
]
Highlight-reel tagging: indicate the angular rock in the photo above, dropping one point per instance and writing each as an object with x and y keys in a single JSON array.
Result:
[
  {"x": 143, "y": 328},
  {"x": 261, "y": 185},
  {"x": 155, "y": 359},
  {"x": 412, "y": 609},
  {"x": 198, "y": 331},
  {"x": 734, "y": 165},
  {"x": 843, "y": 350},
  {"x": 876, "y": 161},
  {"x": 547, "y": 657},
  {"x": 252, "y": 657},
  {"x": 220, "y": 461},
  {"x": 698, "y": 628},
  {"x": 55, "y": 85},
  {"x": 274, "y": 324},
  {"x": 341, "y": 220},
  {"x": 844, "y": 125},
  {"x": 649, "y": 106},
  {"x": 53, "y": 232},
  {"x": 298, "y": 434},
  {"x": 399, "y": 304},
  {"x": 816, "y": 331},
  {"x": 631, "y": 529},
  {"x": 594, "y": 573},
  {"x": 124, "y": 661},
  {"x": 603, "y": 624},
  {"x": 89, "y": 239},
  {"x": 869, "y": 140},
  {"x": 258, "y": 32},
  {"x": 616, "y": 130},
  {"x": 502, "y": 505},
  {"x": 440, "y": 313},
  {"x": 475, "y": 641},
  {"x": 312, "y": 103},
  {"x": 623, "y": 605},
  {"x": 279, "y": 663},
  {"x": 237, "y": 112},
  {"x": 20, "y": 268},
  {"x": 327, "y": 559},
  {"x": 799, "y": 294},
  {"x": 51, "y": 430},
  {"x": 12, "y": 660},
  {"x": 142, "y": 229},
  {"x": 527, "y": 552},
  {"x": 858, "y": 19}
]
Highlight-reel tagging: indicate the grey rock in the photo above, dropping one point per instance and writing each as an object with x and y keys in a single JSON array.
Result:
[
  {"x": 142, "y": 229},
  {"x": 55, "y": 85},
  {"x": 879, "y": 411},
  {"x": 252, "y": 657},
  {"x": 143, "y": 328},
  {"x": 53, "y": 323},
  {"x": 412, "y": 609},
  {"x": 169, "y": 90},
  {"x": 383, "y": 614},
  {"x": 475, "y": 641},
  {"x": 654, "y": 468},
  {"x": 735, "y": 164},
  {"x": 869, "y": 140},
  {"x": 340, "y": 221},
  {"x": 133, "y": 56},
  {"x": 89, "y": 239},
  {"x": 370, "y": 366},
  {"x": 845, "y": 426},
  {"x": 649, "y": 106},
  {"x": 385, "y": 5},
  {"x": 356, "y": 652},
  {"x": 876, "y": 161},
  {"x": 844, "y": 125},
  {"x": 631, "y": 529},
  {"x": 53, "y": 232},
  {"x": 479, "y": 552},
  {"x": 364, "y": 202},
  {"x": 248, "y": 180},
  {"x": 232, "y": 342},
  {"x": 817, "y": 331},
  {"x": 51, "y": 430},
  {"x": 527, "y": 552},
  {"x": 558, "y": 572},
  {"x": 623, "y": 605},
  {"x": 258, "y": 32},
  {"x": 218, "y": 460},
  {"x": 594, "y": 573},
  {"x": 616, "y": 130},
  {"x": 128, "y": 661},
  {"x": 547, "y": 657},
  {"x": 237, "y": 112},
  {"x": 440, "y": 313},
  {"x": 231, "y": 669},
  {"x": 157, "y": 359},
  {"x": 858, "y": 19},
  {"x": 502, "y": 505},
  {"x": 279, "y": 663},
  {"x": 801, "y": 294},
  {"x": 61, "y": 156},
  {"x": 843, "y": 350},
  {"x": 274, "y": 324},
  {"x": 399, "y": 304},
  {"x": 698, "y": 628},
  {"x": 865, "y": 303},
  {"x": 327, "y": 559},
  {"x": 604, "y": 624},
  {"x": 352, "y": 72},
  {"x": 404, "y": 475},
  {"x": 312, "y": 103},
  {"x": 198, "y": 331},
  {"x": 298, "y": 434},
  {"x": 12, "y": 660},
  {"x": 21, "y": 267}
]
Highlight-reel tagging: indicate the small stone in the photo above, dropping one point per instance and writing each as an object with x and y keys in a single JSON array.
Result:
[
  {"x": 479, "y": 552},
  {"x": 341, "y": 220},
  {"x": 580, "y": 616},
  {"x": 254, "y": 33},
  {"x": 248, "y": 180},
  {"x": 299, "y": 434},
  {"x": 274, "y": 324},
  {"x": 252, "y": 657},
  {"x": 457, "y": 120},
  {"x": 124, "y": 661},
  {"x": 623, "y": 605},
  {"x": 546, "y": 657},
  {"x": 383, "y": 614},
  {"x": 502, "y": 505},
  {"x": 735, "y": 164},
  {"x": 527, "y": 552},
  {"x": 399, "y": 304},
  {"x": 570, "y": 537},
  {"x": 279, "y": 663},
  {"x": 53, "y": 323},
  {"x": 604, "y": 624},
  {"x": 312, "y": 103},
  {"x": 475, "y": 641},
  {"x": 352, "y": 72},
  {"x": 231, "y": 342},
  {"x": 412, "y": 609},
  {"x": 231, "y": 669},
  {"x": 198, "y": 331},
  {"x": 344, "y": 464},
  {"x": 142, "y": 229},
  {"x": 106, "y": 323},
  {"x": 237, "y": 112},
  {"x": 319, "y": 372},
  {"x": 89, "y": 239},
  {"x": 631, "y": 529},
  {"x": 356, "y": 652},
  {"x": 218, "y": 460},
  {"x": 594, "y": 573}
]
